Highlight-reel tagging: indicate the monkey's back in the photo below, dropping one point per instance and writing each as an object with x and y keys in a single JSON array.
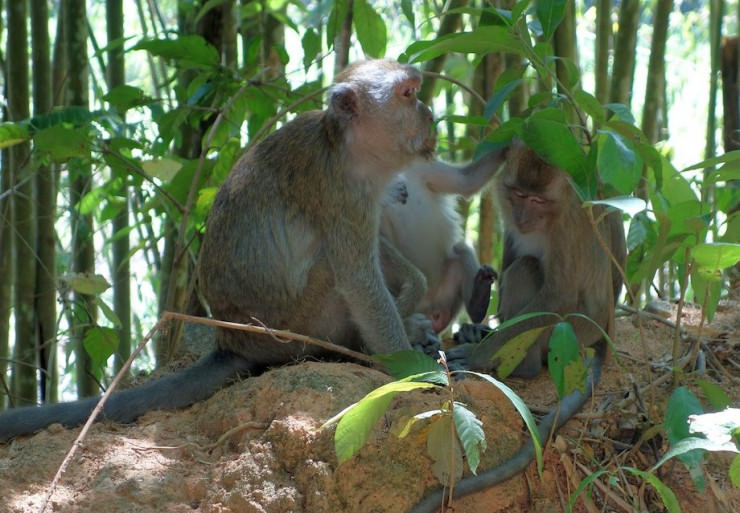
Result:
[{"x": 262, "y": 259}]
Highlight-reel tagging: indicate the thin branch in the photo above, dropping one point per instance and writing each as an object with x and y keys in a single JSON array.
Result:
[{"x": 279, "y": 335}]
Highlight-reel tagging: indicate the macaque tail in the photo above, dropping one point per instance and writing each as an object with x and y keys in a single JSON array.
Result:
[
  {"x": 569, "y": 406},
  {"x": 183, "y": 388}
]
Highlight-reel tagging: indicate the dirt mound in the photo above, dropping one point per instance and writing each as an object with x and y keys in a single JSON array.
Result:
[{"x": 255, "y": 447}]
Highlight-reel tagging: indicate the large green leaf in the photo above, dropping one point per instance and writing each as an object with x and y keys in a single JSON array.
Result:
[
  {"x": 190, "y": 49},
  {"x": 554, "y": 142},
  {"x": 100, "y": 343},
  {"x": 357, "y": 420},
  {"x": 681, "y": 404},
  {"x": 564, "y": 351},
  {"x": 62, "y": 143},
  {"x": 619, "y": 165},
  {"x": 485, "y": 39},
  {"x": 716, "y": 255},
  {"x": 12, "y": 134},
  {"x": 470, "y": 431},
  {"x": 550, "y": 13},
  {"x": 370, "y": 28}
]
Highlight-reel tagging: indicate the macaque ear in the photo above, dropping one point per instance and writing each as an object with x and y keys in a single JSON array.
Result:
[
  {"x": 343, "y": 103},
  {"x": 408, "y": 88}
]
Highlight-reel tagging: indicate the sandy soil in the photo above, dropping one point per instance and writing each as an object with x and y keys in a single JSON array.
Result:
[{"x": 276, "y": 460}]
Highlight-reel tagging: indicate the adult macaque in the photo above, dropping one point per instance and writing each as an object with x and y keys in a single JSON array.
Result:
[
  {"x": 292, "y": 241},
  {"x": 552, "y": 262},
  {"x": 421, "y": 221}
]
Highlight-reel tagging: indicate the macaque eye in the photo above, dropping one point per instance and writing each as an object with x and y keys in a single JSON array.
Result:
[{"x": 538, "y": 200}]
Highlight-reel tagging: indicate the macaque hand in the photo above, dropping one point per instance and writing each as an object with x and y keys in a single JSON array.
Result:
[{"x": 421, "y": 335}]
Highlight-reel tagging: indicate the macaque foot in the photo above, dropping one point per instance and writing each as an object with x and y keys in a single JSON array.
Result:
[
  {"x": 472, "y": 333},
  {"x": 480, "y": 296}
]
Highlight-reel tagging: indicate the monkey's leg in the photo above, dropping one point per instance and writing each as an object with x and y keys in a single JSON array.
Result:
[
  {"x": 177, "y": 390},
  {"x": 476, "y": 281},
  {"x": 520, "y": 282},
  {"x": 569, "y": 406}
]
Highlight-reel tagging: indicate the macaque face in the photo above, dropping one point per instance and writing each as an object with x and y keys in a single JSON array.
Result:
[{"x": 529, "y": 211}]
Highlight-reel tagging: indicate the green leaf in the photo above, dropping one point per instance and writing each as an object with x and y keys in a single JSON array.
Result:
[
  {"x": 564, "y": 350},
  {"x": 590, "y": 105},
  {"x": 402, "y": 430},
  {"x": 707, "y": 288},
  {"x": 617, "y": 162},
  {"x": 444, "y": 449},
  {"x": 470, "y": 431},
  {"x": 86, "y": 283},
  {"x": 370, "y": 29},
  {"x": 408, "y": 10},
  {"x": 694, "y": 444},
  {"x": 357, "y": 420},
  {"x": 125, "y": 97},
  {"x": 735, "y": 471},
  {"x": 511, "y": 354},
  {"x": 627, "y": 204},
  {"x": 12, "y": 134},
  {"x": 550, "y": 13},
  {"x": 730, "y": 156},
  {"x": 681, "y": 404},
  {"x": 107, "y": 311},
  {"x": 555, "y": 144},
  {"x": 403, "y": 364},
  {"x": 717, "y": 397},
  {"x": 100, "y": 343},
  {"x": 585, "y": 482},
  {"x": 311, "y": 44},
  {"x": 666, "y": 495},
  {"x": 485, "y": 39},
  {"x": 190, "y": 50},
  {"x": 163, "y": 168},
  {"x": 523, "y": 412},
  {"x": 716, "y": 255},
  {"x": 62, "y": 143},
  {"x": 499, "y": 97}
]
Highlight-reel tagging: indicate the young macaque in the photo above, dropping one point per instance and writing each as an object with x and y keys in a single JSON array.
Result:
[
  {"x": 292, "y": 242},
  {"x": 420, "y": 220},
  {"x": 552, "y": 262}
]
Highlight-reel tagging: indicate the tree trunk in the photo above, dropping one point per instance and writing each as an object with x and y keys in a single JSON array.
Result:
[
  {"x": 731, "y": 94},
  {"x": 601, "y": 52},
  {"x": 83, "y": 247},
  {"x": 25, "y": 362},
  {"x": 450, "y": 24},
  {"x": 564, "y": 43},
  {"x": 6, "y": 246},
  {"x": 623, "y": 68},
  {"x": 484, "y": 81},
  {"x": 120, "y": 244},
  {"x": 46, "y": 294},
  {"x": 342, "y": 40}
]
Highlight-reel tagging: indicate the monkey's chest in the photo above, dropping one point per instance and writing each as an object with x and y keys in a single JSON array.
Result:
[{"x": 528, "y": 244}]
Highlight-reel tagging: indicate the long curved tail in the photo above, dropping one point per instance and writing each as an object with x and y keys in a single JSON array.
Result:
[
  {"x": 183, "y": 388},
  {"x": 569, "y": 406}
]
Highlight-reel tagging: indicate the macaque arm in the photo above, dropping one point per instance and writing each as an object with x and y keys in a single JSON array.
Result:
[
  {"x": 353, "y": 252},
  {"x": 405, "y": 281},
  {"x": 446, "y": 179}
]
